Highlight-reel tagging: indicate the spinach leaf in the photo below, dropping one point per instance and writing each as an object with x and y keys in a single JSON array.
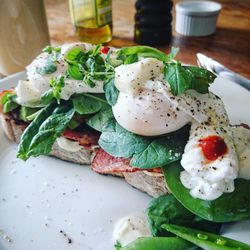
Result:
[
  {"x": 131, "y": 59},
  {"x": 47, "y": 68},
  {"x": 27, "y": 113},
  {"x": 205, "y": 240},
  {"x": 111, "y": 92},
  {"x": 227, "y": 208},
  {"x": 146, "y": 152},
  {"x": 178, "y": 78},
  {"x": 161, "y": 151},
  {"x": 39, "y": 137},
  {"x": 159, "y": 243},
  {"x": 141, "y": 51},
  {"x": 8, "y": 102},
  {"x": 47, "y": 97},
  {"x": 57, "y": 84},
  {"x": 119, "y": 142},
  {"x": 166, "y": 209},
  {"x": 201, "y": 78},
  {"x": 100, "y": 118},
  {"x": 87, "y": 104}
]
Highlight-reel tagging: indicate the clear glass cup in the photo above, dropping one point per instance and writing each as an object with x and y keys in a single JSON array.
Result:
[{"x": 23, "y": 33}]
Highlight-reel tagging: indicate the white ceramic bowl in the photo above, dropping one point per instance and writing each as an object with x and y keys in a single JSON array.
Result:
[{"x": 196, "y": 18}]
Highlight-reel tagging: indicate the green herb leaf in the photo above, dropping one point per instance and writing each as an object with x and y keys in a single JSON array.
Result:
[
  {"x": 48, "y": 68},
  {"x": 48, "y": 49},
  {"x": 74, "y": 54},
  {"x": 166, "y": 209},
  {"x": 98, "y": 121},
  {"x": 39, "y": 137},
  {"x": 179, "y": 79},
  {"x": 201, "y": 78},
  {"x": 57, "y": 84},
  {"x": 74, "y": 72},
  {"x": 54, "y": 53},
  {"x": 111, "y": 92},
  {"x": 86, "y": 104},
  {"x": 161, "y": 151}
]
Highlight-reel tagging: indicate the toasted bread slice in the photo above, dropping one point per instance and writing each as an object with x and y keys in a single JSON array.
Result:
[{"x": 151, "y": 183}]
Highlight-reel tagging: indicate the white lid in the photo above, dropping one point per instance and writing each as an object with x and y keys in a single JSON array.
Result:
[{"x": 198, "y": 8}]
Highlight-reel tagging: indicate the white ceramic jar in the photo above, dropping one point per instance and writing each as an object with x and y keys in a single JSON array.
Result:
[{"x": 196, "y": 18}]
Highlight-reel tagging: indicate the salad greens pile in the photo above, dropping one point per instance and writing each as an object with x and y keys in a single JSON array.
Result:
[{"x": 168, "y": 216}]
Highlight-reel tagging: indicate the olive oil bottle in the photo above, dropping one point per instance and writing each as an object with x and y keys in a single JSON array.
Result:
[{"x": 92, "y": 20}]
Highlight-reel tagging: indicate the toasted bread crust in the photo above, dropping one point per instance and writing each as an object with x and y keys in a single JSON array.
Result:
[{"x": 154, "y": 185}]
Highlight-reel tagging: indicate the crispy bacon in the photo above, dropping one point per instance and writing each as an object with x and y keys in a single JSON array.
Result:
[
  {"x": 105, "y": 163},
  {"x": 86, "y": 139}
]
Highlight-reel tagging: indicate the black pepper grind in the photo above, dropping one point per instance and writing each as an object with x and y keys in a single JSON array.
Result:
[{"x": 153, "y": 22}]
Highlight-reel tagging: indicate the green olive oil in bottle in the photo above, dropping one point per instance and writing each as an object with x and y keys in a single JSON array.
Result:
[{"x": 92, "y": 20}]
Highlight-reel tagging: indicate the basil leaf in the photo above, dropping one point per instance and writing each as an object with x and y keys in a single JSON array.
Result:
[
  {"x": 48, "y": 68},
  {"x": 161, "y": 151},
  {"x": 40, "y": 135},
  {"x": 201, "y": 78},
  {"x": 86, "y": 104},
  {"x": 111, "y": 92},
  {"x": 119, "y": 142},
  {"x": 101, "y": 118},
  {"x": 179, "y": 79},
  {"x": 74, "y": 72},
  {"x": 166, "y": 209}
]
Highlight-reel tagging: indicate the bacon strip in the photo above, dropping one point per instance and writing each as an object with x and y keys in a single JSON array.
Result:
[
  {"x": 86, "y": 139},
  {"x": 104, "y": 163}
]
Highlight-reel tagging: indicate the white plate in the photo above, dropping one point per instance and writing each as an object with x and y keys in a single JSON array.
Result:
[{"x": 43, "y": 196}]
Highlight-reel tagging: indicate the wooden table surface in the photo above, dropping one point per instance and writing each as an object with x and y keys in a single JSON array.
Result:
[{"x": 230, "y": 45}]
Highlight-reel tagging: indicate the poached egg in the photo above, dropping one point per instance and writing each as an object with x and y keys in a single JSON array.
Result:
[{"x": 146, "y": 106}]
